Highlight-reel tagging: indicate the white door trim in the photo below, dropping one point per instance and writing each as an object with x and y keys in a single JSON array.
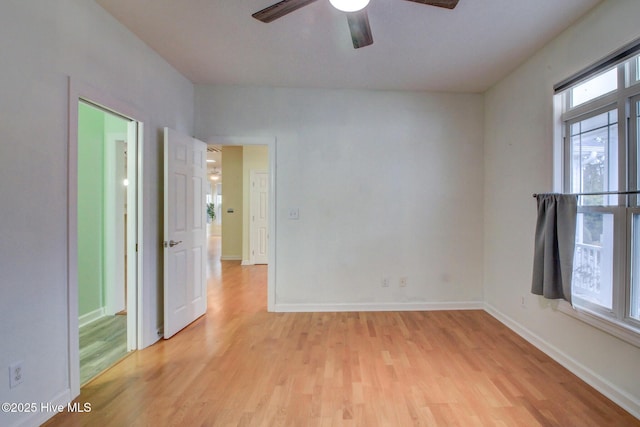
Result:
[
  {"x": 79, "y": 91},
  {"x": 271, "y": 143}
]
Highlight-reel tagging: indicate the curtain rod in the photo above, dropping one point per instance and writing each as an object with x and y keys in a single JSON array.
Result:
[
  {"x": 614, "y": 58},
  {"x": 603, "y": 193}
]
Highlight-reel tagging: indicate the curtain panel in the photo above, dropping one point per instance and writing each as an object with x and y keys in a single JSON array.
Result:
[{"x": 554, "y": 245}]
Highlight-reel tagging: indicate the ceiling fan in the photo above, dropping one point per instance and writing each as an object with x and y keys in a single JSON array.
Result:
[{"x": 355, "y": 10}]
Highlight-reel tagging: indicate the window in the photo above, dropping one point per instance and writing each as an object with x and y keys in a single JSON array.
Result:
[
  {"x": 601, "y": 154},
  {"x": 593, "y": 88}
]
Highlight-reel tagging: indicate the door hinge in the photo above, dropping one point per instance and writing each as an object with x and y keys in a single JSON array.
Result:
[{"x": 136, "y": 247}]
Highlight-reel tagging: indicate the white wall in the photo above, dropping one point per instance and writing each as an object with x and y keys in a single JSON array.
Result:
[
  {"x": 42, "y": 42},
  {"x": 518, "y": 163},
  {"x": 339, "y": 155}
]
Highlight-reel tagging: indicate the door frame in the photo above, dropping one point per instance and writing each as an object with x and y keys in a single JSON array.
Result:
[
  {"x": 271, "y": 143},
  {"x": 115, "y": 298},
  {"x": 81, "y": 91}
]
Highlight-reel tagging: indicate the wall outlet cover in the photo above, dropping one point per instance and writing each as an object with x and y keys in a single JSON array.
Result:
[
  {"x": 16, "y": 374},
  {"x": 294, "y": 213}
]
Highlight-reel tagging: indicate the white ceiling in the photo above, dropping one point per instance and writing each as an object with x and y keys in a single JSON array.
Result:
[
  {"x": 214, "y": 160},
  {"x": 416, "y": 47}
]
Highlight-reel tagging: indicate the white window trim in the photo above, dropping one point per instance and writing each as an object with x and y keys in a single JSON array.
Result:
[
  {"x": 611, "y": 326},
  {"x": 627, "y": 329}
]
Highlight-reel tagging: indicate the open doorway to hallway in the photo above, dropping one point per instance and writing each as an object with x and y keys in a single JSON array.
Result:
[
  {"x": 238, "y": 202},
  {"x": 240, "y": 186},
  {"x": 105, "y": 236},
  {"x": 234, "y": 212}
]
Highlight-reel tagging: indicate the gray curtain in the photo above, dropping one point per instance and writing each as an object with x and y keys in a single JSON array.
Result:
[{"x": 554, "y": 245}]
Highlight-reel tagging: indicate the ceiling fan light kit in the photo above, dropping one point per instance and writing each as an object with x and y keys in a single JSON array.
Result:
[
  {"x": 357, "y": 17},
  {"x": 349, "y": 5}
]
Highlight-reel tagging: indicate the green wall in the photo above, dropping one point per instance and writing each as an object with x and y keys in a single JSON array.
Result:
[
  {"x": 93, "y": 125},
  {"x": 91, "y": 130}
]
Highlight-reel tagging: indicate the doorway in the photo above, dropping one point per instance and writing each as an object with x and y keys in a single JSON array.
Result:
[
  {"x": 245, "y": 156},
  {"x": 110, "y": 212},
  {"x": 245, "y": 212},
  {"x": 105, "y": 236}
]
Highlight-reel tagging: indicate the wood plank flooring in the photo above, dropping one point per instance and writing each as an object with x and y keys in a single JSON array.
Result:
[
  {"x": 102, "y": 344},
  {"x": 242, "y": 366}
]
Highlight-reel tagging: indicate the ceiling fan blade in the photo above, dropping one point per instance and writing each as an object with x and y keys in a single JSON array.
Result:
[
  {"x": 449, "y": 4},
  {"x": 280, "y": 9},
  {"x": 360, "y": 29}
]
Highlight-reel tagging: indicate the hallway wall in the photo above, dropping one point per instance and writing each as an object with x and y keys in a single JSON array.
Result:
[
  {"x": 233, "y": 208},
  {"x": 42, "y": 44}
]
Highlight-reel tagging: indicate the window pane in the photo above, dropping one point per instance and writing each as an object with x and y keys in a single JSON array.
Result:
[
  {"x": 634, "y": 308},
  {"x": 594, "y": 168},
  {"x": 595, "y": 87},
  {"x": 593, "y": 260},
  {"x": 632, "y": 71},
  {"x": 637, "y": 142}
]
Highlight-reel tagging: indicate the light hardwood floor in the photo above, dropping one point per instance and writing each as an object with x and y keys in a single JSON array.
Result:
[{"x": 242, "y": 366}]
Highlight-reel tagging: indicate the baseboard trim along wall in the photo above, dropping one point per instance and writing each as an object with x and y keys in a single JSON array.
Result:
[
  {"x": 46, "y": 410},
  {"x": 410, "y": 306},
  {"x": 620, "y": 397},
  {"x": 92, "y": 316},
  {"x": 231, "y": 258}
]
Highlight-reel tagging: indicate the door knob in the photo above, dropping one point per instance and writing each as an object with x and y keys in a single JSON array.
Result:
[{"x": 172, "y": 243}]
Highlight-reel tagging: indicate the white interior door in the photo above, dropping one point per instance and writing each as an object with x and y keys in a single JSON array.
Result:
[
  {"x": 185, "y": 249},
  {"x": 259, "y": 209}
]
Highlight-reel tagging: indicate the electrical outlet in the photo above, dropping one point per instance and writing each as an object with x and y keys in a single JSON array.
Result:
[
  {"x": 294, "y": 213},
  {"x": 385, "y": 282},
  {"x": 16, "y": 374},
  {"x": 403, "y": 282}
]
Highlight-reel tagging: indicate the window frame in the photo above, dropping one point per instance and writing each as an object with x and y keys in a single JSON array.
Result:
[
  {"x": 592, "y": 111},
  {"x": 631, "y": 211},
  {"x": 626, "y": 100},
  {"x": 619, "y": 253}
]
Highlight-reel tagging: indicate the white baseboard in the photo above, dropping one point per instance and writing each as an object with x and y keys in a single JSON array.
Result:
[
  {"x": 409, "y": 306},
  {"x": 628, "y": 402},
  {"x": 92, "y": 316},
  {"x": 231, "y": 258},
  {"x": 45, "y": 410}
]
